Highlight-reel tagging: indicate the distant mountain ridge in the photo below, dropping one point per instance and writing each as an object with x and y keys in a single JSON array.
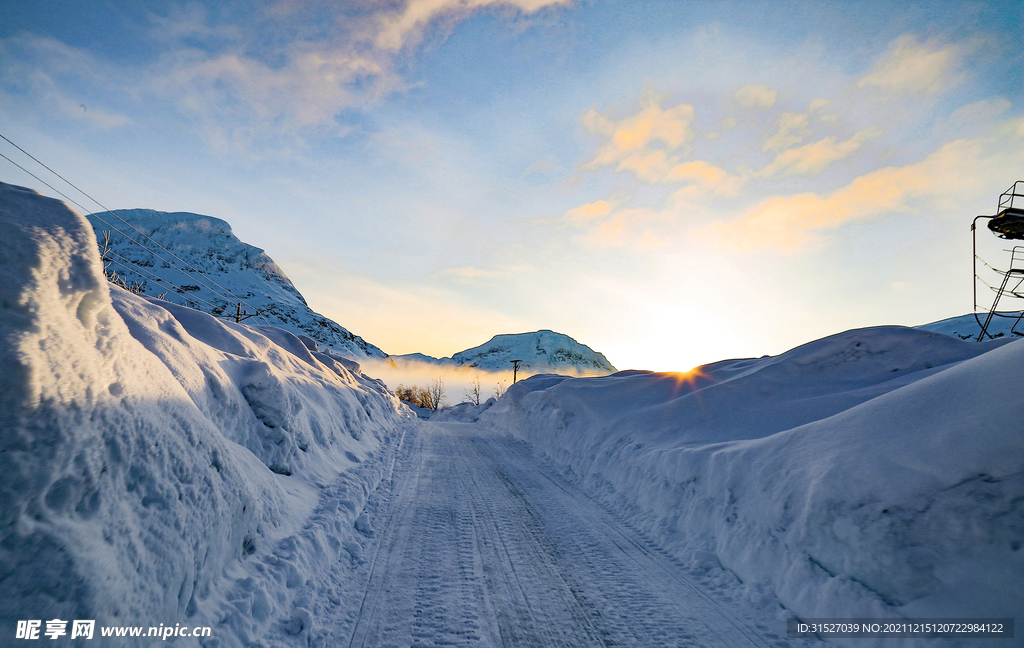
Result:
[
  {"x": 543, "y": 351},
  {"x": 225, "y": 264}
]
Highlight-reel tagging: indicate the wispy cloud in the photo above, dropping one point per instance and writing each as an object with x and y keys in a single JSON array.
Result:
[
  {"x": 756, "y": 95},
  {"x": 605, "y": 225},
  {"x": 704, "y": 177},
  {"x": 249, "y": 93},
  {"x": 398, "y": 30},
  {"x": 43, "y": 76},
  {"x": 912, "y": 67},
  {"x": 246, "y": 99},
  {"x": 956, "y": 169},
  {"x": 815, "y": 157},
  {"x": 589, "y": 212},
  {"x": 791, "y": 129}
]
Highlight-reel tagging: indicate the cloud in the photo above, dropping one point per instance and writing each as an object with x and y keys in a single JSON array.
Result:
[
  {"x": 818, "y": 104},
  {"x": 957, "y": 169},
  {"x": 756, "y": 95},
  {"x": 658, "y": 168},
  {"x": 645, "y": 144},
  {"x": 251, "y": 80},
  {"x": 543, "y": 167},
  {"x": 589, "y": 212},
  {"x": 725, "y": 125},
  {"x": 396, "y": 31},
  {"x": 191, "y": 22},
  {"x": 652, "y": 126},
  {"x": 309, "y": 89},
  {"x": 815, "y": 157},
  {"x": 607, "y": 226},
  {"x": 43, "y": 76},
  {"x": 243, "y": 91},
  {"x": 912, "y": 67},
  {"x": 792, "y": 129},
  {"x": 817, "y": 108}
]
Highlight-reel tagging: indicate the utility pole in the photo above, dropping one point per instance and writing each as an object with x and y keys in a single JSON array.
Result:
[
  {"x": 241, "y": 315},
  {"x": 515, "y": 369}
]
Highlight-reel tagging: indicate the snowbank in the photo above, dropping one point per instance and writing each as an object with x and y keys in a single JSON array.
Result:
[
  {"x": 878, "y": 472},
  {"x": 161, "y": 465},
  {"x": 464, "y": 412}
]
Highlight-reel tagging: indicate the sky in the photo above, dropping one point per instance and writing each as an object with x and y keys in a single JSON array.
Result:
[{"x": 671, "y": 183}]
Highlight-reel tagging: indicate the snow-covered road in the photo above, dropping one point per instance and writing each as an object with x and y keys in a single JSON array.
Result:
[{"x": 477, "y": 543}]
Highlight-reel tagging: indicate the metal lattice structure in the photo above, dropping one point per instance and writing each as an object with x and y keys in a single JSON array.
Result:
[{"x": 1007, "y": 223}]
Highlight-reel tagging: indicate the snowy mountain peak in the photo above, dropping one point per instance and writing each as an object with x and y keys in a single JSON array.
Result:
[
  {"x": 216, "y": 270},
  {"x": 539, "y": 352}
]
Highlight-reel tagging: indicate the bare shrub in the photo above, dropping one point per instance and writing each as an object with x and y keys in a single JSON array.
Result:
[{"x": 473, "y": 393}]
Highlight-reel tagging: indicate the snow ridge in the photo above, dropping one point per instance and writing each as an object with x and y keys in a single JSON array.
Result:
[
  {"x": 209, "y": 245},
  {"x": 161, "y": 465}
]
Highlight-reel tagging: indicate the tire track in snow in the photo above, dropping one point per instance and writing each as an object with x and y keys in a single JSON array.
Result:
[
  {"x": 420, "y": 589},
  {"x": 547, "y": 609},
  {"x": 483, "y": 546},
  {"x": 722, "y": 627}
]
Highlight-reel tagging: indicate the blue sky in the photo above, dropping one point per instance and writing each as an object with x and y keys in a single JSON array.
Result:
[{"x": 669, "y": 182}]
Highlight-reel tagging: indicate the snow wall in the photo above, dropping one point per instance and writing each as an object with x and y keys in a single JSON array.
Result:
[
  {"x": 159, "y": 465},
  {"x": 874, "y": 473}
]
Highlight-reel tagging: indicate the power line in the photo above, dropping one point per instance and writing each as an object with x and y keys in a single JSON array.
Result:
[
  {"x": 201, "y": 279},
  {"x": 131, "y": 266},
  {"x": 42, "y": 164},
  {"x": 74, "y": 202},
  {"x": 122, "y": 261}
]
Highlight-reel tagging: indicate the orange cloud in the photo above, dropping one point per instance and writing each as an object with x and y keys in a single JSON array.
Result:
[
  {"x": 657, "y": 168},
  {"x": 815, "y": 157},
  {"x": 785, "y": 223},
  {"x": 669, "y": 128},
  {"x": 588, "y": 212},
  {"x": 605, "y": 226}
]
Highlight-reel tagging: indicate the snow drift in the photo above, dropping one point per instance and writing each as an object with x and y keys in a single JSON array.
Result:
[
  {"x": 161, "y": 465},
  {"x": 878, "y": 472}
]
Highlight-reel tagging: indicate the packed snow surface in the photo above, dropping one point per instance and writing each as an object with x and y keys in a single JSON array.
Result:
[
  {"x": 874, "y": 473},
  {"x": 163, "y": 466},
  {"x": 479, "y": 544},
  {"x": 539, "y": 352},
  {"x": 219, "y": 267}
]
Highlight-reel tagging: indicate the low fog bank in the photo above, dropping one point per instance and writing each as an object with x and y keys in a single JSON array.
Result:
[{"x": 458, "y": 380}]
